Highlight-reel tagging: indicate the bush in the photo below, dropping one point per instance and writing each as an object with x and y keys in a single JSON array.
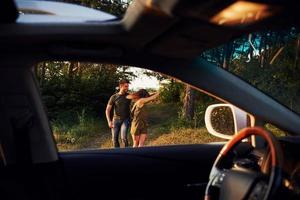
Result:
[
  {"x": 202, "y": 101},
  {"x": 73, "y": 131},
  {"x": 170, "y": 92}
]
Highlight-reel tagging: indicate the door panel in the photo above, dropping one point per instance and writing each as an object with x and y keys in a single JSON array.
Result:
[{"x": 169, "y": 172}]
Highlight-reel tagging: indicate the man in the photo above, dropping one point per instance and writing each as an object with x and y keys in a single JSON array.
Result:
[{"x": 121, "y": 114}]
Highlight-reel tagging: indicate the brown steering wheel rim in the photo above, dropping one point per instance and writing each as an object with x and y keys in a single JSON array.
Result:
[{"x": 275, "y": 151}]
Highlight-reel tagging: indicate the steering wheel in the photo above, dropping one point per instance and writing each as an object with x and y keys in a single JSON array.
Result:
[{"x": 228, "y": 183}]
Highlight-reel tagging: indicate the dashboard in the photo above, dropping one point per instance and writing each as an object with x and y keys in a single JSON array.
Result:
[{"x": 291, "y": 167}]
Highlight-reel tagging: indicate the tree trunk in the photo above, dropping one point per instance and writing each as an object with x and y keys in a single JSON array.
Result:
[
  {"x": 79, "y": 69},
  {"x": 227, "y": 52},
  {"x": 189, "y": 103},
  {"x": 251, "y": 38},
  {"x": 262, "y": 50},
  {"x": 277, "y": 53},
  {"x": 74, "y": 67},
  {"x": 71, "y": 70}
]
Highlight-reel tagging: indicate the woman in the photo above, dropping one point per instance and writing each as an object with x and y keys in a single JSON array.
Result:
[{"x": 139, "y": 116}]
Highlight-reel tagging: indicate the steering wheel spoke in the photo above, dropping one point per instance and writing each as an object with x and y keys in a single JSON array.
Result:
[
  {"x": 238, "y": 183},
  {"x": 217, "y": 177}
]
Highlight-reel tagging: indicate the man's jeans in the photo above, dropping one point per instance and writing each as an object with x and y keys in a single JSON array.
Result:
[{"x": 120, "y": 126}]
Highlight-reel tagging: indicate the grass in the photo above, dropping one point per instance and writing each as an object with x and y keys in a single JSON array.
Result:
[
  {"x": 164, "y": 129},
  {"x": 84, "y": 133},
  {"x": 183, "y": 136}
]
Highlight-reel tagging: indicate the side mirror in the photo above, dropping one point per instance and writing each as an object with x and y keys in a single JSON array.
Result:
[{"x": 225, "y": 120}]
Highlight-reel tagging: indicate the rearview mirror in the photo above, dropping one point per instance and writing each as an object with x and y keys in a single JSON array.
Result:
[{"x": 225, "y": 120}]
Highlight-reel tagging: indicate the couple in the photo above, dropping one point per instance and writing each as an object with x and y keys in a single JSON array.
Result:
[{"x": 120, "y": 104}]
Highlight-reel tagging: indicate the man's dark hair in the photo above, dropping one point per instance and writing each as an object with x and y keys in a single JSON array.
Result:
[{"x": 123, "y": 81}]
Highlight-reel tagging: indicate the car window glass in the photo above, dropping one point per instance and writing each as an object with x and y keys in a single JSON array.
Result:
[
  {"x": 75, "y": 95},
  {"x": 269, "y": 60}
]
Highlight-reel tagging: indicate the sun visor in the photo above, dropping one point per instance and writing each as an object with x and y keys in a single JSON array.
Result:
[{"x": 8, "y": 11}]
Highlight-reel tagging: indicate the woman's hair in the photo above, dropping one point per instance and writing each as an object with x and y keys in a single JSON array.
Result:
[{"x": 142, "y": 93}]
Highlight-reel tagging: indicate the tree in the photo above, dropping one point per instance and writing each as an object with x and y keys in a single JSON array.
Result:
[
  {"x": 70, "y": 87},
  {"x": 189, "y": 103}
]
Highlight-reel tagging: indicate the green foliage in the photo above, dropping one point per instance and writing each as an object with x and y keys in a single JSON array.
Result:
[
  {"x": 73, "y": 133},
  {"x": 171, "y": 92},
  {"x": 199, "y": 114},
  {"x": 280, "y": 80},
  {"x": 273, "y": 66},
  {"x": 69, "y": 87},
  {"x": 202, "y": 101}
]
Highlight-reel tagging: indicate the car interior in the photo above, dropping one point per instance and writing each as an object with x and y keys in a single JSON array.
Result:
[{"x": 165, "y": 36}]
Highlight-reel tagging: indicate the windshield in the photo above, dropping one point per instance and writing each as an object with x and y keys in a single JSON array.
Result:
[
  {"x": 268, "y": 60},
  {"x": 114, "y": 7},
  {"x": 69, "y": 11}
]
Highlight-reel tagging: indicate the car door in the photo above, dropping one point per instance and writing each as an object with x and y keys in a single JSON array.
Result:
[{"x": 166, "y": 172}]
